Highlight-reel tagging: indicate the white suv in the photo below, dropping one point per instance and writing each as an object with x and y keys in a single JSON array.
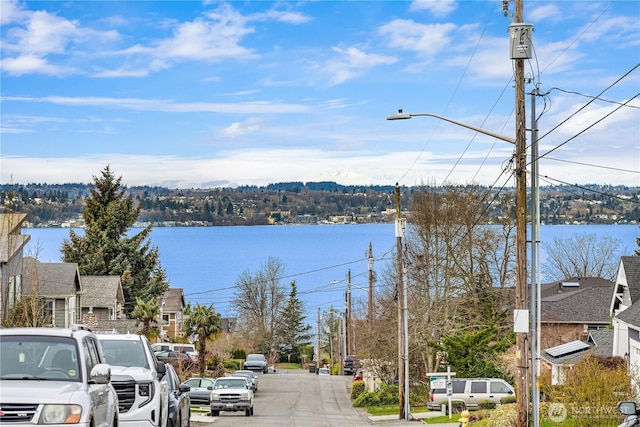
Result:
[
  {"x": 137, "y": 376},
  {"x": 55, "y": 376}
]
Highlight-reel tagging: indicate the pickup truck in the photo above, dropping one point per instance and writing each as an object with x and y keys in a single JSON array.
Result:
[
  {"x": 231, "y": 394},
  {"x": 139, "y": 380}
]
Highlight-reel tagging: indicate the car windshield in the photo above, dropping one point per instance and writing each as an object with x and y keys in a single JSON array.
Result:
[
  {"x": 39, "y": 358},
  {"x": 129, "y": 353},
  {"x": 258, "y": 357},
  {"x": 230, "y": 383}
]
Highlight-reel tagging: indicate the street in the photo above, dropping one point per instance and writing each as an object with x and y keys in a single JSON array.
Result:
[{"x": 296, "y": 398}]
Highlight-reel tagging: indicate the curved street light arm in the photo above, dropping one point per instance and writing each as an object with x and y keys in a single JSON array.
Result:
[{"x": 403, "y": 116}]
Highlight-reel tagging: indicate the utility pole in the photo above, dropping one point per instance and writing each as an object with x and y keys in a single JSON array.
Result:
[
  {"x": 522, "y": 400},
  {"x": 370, "y": 306},
  {"x": 534, "y": 335},
  {"x": 318, "y": 355},
  {"x": 399, "y": 294},
  {"x": 347, "y": 316}
]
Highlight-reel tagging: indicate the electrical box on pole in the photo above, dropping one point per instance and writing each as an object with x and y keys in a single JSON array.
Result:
[{"x": 520, "y": 40}]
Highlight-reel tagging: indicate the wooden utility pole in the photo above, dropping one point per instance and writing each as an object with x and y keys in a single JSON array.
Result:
[
  {"x": 318, "y": 355},
  {"x": 399, "y": 294},
  {"x": 522, "y": 400},
  {"x": 370, "y": 306},
  {"x": 348, "y": 316}
]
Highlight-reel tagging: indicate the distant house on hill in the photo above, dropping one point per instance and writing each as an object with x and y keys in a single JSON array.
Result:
[
  {"x": 58, "y": 286},
  {"x": 572, "y": 307}
]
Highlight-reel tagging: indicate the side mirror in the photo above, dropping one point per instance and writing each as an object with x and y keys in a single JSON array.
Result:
[
  {"x": 627, "y": 408},
  {"x": 161, "y": 369},
  {"x": 100, "y": 374}
]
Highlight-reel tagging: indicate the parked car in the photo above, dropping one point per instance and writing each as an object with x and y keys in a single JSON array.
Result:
[
  {"x": 256, "y": 362},
  {"x": 471, "y": 391},
  {"x": 231, "y": 394},
  {"x": 137, "y": 376},
  {"x": 178, "y": 360},
  {"x": 200, "y": 390},
  {"x": 179, "y": 401},
  {"x": 324, "y": 371},
  {"x": 188, "y": 349},
  {"x": 53, "y": 376},
  {"x": 351, "y": 365},
  {"x": 631, "y": 411},
  {"x": 249, "y": 374}
]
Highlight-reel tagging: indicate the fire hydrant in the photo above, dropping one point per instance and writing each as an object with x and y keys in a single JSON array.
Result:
[{"x": 464, "y": 418}]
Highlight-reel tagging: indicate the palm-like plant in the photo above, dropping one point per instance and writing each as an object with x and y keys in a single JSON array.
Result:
[
  {"x": 147, "y": 312},
  {"x": 205, "y": 323}
]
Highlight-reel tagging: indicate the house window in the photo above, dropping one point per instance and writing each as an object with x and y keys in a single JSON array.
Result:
[
  {"x": 48, "y": 311},
  {"x": 14, "y": 291}
]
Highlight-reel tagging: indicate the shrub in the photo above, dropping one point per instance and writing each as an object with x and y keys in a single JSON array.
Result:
[
  {"x": 504, "y": 416},
  {"x": 232, "y": 365},
  {"x": 508, "y": 399},
  {"x": 486, "y": 404},
  {"x": 357, "y": 388},
  {"x": 385, "y": 395}
]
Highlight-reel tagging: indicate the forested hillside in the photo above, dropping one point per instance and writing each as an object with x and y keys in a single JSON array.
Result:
[{"x": 51, "y": 205}]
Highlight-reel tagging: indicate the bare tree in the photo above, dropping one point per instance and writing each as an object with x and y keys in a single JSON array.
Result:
[
  {"x": 259, "y": 301},
  {"x": 454, "y": 261},
  {"x": 581, "y": 255}
]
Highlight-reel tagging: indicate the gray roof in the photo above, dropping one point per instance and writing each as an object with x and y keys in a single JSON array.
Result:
[
  {"x": 631, "y": 265},
  {"x": 603, "y": 339},
  {"x": 173, "y": 300},
  {"x": 101, "y": 291},
  {"x": 48, "y": 279},
  {"x": 631, "y": 315},
  {"x": 587, "y": 303}
]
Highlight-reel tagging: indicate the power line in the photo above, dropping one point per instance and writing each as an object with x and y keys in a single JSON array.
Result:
[
  {"x": 592, "y": 165},
  {"x": 590, "y": 190}
]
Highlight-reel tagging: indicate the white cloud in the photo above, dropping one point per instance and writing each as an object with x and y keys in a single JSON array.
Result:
[
  {"x": 353, "y": 62},
  {"x": 257, "y": 107},
  {"x": 250, "y": 125},
  {"x": 436, "y": 7},
  {"x": 423, "y": 39},
  {"x": 30, "y": 64},
  {"x": 544, "y": 12}
]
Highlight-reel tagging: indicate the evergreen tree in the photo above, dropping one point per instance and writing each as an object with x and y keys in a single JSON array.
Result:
[
  {"x": 105, "y": 247},
  {"x": 294, "y": 333}
]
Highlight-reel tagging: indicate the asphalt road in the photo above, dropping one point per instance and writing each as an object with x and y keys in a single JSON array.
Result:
[{"x": 296, "y": 398}]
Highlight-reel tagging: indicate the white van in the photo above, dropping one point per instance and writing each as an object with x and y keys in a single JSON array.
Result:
[
  {"x": 188, "y": 349},
  {"x": 471, "y": 391}
]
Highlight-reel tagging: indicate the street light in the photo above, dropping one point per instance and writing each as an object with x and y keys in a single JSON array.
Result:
[{"x": 521, "y": 242}]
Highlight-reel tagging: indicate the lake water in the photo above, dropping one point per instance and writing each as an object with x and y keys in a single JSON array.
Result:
[{"x": 207, "y": 261}]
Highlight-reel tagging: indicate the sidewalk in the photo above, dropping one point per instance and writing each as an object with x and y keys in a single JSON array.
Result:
[{"x": 415, "y": 417}]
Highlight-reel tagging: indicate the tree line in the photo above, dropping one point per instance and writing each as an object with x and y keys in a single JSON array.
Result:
[{"x": 52, "y": 204}]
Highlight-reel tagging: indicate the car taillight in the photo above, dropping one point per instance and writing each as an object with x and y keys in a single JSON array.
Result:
[{"x": 431, "y": 397}]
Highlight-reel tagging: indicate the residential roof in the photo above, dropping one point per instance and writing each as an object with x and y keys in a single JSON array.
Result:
[
  {"x": 631, "y": 266},
  {"x": 603, "y": 339},
  {"x": 101, "y": 291},
  {"x": 586, "y": 303},
  {"x": 60, "y": 279},
  {"x": 173, "y": 299},
  {"x": 631, "y": 315}
]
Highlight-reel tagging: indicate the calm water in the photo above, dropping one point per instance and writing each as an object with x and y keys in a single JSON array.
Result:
[{"x": 206, "y": 261}]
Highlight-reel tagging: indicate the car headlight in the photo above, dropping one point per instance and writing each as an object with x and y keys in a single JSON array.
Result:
[
  {"x": 215, "y": 396},
  {"x": 61, "y": 414},
  {"x": 244, "y": 395}
]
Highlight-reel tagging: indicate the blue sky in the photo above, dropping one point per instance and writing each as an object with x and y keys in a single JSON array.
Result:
[{"x": 210, "y": 94}]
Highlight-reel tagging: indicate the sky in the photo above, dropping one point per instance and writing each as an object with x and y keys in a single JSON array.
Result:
[{"x": 187, "y": 94}]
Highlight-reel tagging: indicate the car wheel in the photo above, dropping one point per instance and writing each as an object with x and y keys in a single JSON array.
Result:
[
  {"x": 170, "y": 423},
  {"x": 247, "y": 412},
  {"x": 215, "y": 413},
  {"x": 252, "y": 411}
]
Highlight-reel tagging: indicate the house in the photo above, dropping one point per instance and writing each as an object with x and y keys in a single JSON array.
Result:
[
  {"x": 103, "y": 296},
  {"x": 58, "y": 286},
  {"x": 172, "y": 305},
  {"x": 625, "y": 307},
  {"x": 562, "y": 357},
  {"x": 12, "y": 243},
  {"x": 573, "y": 307}
]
